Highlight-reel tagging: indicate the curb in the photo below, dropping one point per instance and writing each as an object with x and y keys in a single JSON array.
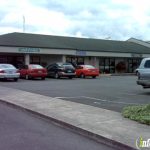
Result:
[{"x": 88, "y": 134}]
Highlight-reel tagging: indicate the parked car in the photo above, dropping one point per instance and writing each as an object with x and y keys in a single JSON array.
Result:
[
  {"x": 33, "y": 71},
  {"x": 144, "y": 73},
  {"x": 136, "y": 71},
  {"x": 8, "y": 71},
  {"x": 86, "y": 70},
  {"x": 58, "y": 70}
]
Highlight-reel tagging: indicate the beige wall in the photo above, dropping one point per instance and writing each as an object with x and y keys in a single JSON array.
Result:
[{"x": 68, "y": 52}]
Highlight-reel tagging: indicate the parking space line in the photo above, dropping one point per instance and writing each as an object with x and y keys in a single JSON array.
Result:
[
  {"x": 68, "y": 97},
  {"x": 103, "y": 100},
  {"x": 130, "y": 94},
  {"x": 98, "y": 99}
]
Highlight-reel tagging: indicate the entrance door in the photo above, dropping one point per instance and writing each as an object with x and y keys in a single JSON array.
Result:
[
  {"x": 75, "y": 60},
  {"x": 133, "y": 64}
]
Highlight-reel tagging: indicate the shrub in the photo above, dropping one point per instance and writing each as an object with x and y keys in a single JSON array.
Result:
[{"x": 138, "y": 113}]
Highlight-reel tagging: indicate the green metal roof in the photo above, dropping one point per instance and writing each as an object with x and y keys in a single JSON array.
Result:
[{"x": 72, "y": 43}]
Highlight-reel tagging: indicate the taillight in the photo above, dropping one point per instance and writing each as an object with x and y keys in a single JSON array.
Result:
[
  {"x": 62, "y": 69},
  {"x": 2, "y": 71}
]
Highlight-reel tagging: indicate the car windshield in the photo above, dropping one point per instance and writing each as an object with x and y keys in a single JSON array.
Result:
[
  {"x": 89, "y": 67},
  {"x": 66, "y": 65},
  {"x": 36, "y": 67},
  {"x": 7, "y": 66}
]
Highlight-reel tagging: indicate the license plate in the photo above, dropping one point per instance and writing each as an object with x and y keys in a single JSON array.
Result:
[
  {"x": 69, "y": 71},
  {"x": 10, "y": 72},
  {"x": 39, "y": 71}
]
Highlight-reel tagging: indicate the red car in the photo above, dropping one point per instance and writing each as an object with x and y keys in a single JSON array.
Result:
[
  {"x": 33, "y": 71},
  {"x": 86, "y": 70}
]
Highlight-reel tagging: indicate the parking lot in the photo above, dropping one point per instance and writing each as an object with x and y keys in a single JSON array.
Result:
[{"x": 109, "y": 92}]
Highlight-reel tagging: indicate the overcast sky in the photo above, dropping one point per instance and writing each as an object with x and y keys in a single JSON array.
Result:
[{"x": 104, "y": 19}]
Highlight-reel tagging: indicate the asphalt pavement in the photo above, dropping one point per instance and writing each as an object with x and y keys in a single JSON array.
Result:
[
  {"x": 102, "y": 125},
  {"x": 108, "y": 92},
  {"x": 24, "y": 131}
]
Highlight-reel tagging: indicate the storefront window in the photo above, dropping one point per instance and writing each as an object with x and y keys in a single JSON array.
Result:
[
  {"x": 14, "y": 60},
  {"x": 112, "y": 65},
  {"x": 3, "y": 59},
  {"x": 75, "y": 60},
  {"x": 121, "y": 67},
  {"x": 133, "y": 64},
  {"x": 102, "y": 65},
  {"x": 35, "y": 60},
  {"x": 107, "y": 65}
]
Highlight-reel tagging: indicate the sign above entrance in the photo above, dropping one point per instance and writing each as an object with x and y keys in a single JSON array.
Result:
[
  {"x": 80, "y": 53},
  {"x": 29, "y": 50},
  {"x": 136, "y": 55}
]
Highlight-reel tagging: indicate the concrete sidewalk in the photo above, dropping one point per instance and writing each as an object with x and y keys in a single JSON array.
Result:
[{"x": 102, "y": 125}]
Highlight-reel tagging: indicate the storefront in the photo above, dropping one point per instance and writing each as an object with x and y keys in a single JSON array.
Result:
[
  {"x": 109, "y": 56},
  {"x": 113, "y": 65}
]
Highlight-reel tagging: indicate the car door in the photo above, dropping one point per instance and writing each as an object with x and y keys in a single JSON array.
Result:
[
  {"x": 51, "y": 70},
  {"x": 23, "y": 71},
  {"x": 79, "y": 70},
  {"x": 145, "y": 73}
]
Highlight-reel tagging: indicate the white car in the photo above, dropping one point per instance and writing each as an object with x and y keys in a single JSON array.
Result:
[
  {"x": 8, "y": 71},
  {"x": 144, "y": 73}
]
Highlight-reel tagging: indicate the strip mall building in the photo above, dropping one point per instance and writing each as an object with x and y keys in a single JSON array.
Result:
[{"x": 107, "y": 55}]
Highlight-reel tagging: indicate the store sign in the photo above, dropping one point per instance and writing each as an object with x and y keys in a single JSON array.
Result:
[
  {"x": 136, "y": 55},
  {"x": 29, "y": 50},
  {"x": 80, "y": 53}
]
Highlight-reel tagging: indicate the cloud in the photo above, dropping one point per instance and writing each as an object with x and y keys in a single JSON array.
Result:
[{"x": 118, "y": 19}]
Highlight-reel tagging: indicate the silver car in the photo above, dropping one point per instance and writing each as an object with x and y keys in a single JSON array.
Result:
[
  {"x": 144, "y": 73},
  {"x": 8, "y": 71}
]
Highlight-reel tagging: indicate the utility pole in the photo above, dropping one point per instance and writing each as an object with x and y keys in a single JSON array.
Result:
[{"x": 23, "y": 23}]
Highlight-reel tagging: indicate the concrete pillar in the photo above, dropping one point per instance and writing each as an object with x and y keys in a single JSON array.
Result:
[
  {"x": 96, "y": 62},
  {"x": 27, "y": 59},
  {"x": 64, "y": 59}
]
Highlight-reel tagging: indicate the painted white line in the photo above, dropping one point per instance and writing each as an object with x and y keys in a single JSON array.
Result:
[
  {"x": 98, "y": 103},
  {"x": 130, "y": 94},
  {"x": 104, "y": 100},
  {"x": 68, "y": 97},
  {"x": 97, "y": 99}
]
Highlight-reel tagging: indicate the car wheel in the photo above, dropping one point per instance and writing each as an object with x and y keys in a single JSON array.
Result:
[
  {"x": 56, "y": 75},
  {"x": 43, "y": 78},
  {"x": 138, "y": 76},
  {"x": 70, "y": 77},
  {"x": 15, "y": 79},
  {"x": 93, "y": 77},
  {"x": 82, "y": 75},
  {"x": 27, "y": 77}
]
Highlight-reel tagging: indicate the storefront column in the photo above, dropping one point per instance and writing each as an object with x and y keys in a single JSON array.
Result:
[
  {"x": 96, "y": 61},
  {"x": 64, "y": 59},
  {"x": 27, "y": 59}
]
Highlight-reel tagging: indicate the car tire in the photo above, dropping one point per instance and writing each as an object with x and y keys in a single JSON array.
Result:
[
  {"x": 93, "y": 77},
  {"x": 43, "y": 78},
  {"x": 56, "y": 76},
  {"x": 82, "y": 75},
  {"x": 15, "y": 79},
  {"x": 26, "y": 77},
  {"x": 70, "y": 77}
]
